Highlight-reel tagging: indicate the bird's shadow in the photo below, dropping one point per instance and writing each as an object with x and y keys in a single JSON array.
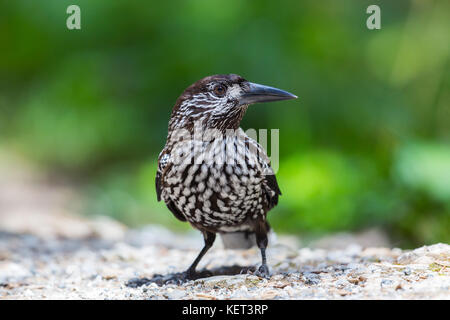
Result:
[{"x": 180, "y": 277}]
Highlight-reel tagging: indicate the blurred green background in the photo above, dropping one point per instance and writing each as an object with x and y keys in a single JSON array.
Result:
[{"x": 366, "y": 144}]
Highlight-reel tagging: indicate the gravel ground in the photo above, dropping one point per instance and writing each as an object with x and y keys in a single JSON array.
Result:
[{"x": 33, "y": 267}]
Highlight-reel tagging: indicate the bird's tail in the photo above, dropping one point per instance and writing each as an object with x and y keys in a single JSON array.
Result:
[
  {"x": 243, "y": 239},
  {"x": 238, "y": 240}
]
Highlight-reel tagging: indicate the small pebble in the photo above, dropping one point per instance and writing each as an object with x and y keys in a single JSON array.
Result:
[{"x": 89, "y": 269}]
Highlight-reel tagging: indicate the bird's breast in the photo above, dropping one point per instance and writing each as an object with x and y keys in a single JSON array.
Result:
[{"x": 218, "y": 183}]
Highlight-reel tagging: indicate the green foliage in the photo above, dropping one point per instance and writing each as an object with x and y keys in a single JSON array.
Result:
[
  {"x": 366, "y": 143},
  {"x": 425, "y": 167},
  {"x": 324, "y": 189},
  {"x": 72, "y": 120}
]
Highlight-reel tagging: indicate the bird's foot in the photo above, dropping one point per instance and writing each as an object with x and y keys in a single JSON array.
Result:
[{"x": 263, "y": 271}]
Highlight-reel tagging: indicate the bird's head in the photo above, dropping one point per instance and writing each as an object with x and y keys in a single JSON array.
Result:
[{"x": 220, "y": 102}]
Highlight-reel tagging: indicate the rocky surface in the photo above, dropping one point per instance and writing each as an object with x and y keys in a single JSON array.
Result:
[{"x": 33, "y": 267}]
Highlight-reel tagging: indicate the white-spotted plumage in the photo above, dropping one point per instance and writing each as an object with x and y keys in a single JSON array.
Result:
[{"x": 222, "y": 196}]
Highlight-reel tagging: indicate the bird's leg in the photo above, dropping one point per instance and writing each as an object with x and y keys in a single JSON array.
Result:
[
  {"x": 261, "y": 241},
  {"x": 209, "y": 238},
  {"x": 181, "y": 277}
]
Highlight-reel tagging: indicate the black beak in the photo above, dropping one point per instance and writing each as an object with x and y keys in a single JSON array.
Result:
[{"x": 260, "y": 93}]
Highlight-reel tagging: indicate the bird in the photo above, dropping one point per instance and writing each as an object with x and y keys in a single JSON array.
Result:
[{"x": 210, "y": 173}]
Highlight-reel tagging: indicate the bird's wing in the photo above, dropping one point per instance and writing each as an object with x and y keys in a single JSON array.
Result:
[
  {"x": 163, "y": 164},
  {"x": 163, "y": 161},
  {"x": 270, "y": 185},
  {"x": 272, "y": 190},
  {"x": 158, "y": 185}
]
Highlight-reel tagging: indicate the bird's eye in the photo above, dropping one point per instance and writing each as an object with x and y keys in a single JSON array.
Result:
[{"x": 219, "y": 90}]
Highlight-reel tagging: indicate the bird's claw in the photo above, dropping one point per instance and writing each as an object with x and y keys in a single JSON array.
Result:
[{"x": 263, "y": 271}]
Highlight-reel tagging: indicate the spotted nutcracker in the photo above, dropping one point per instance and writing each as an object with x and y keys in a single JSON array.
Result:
[{"x": 210, "y": 173}]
